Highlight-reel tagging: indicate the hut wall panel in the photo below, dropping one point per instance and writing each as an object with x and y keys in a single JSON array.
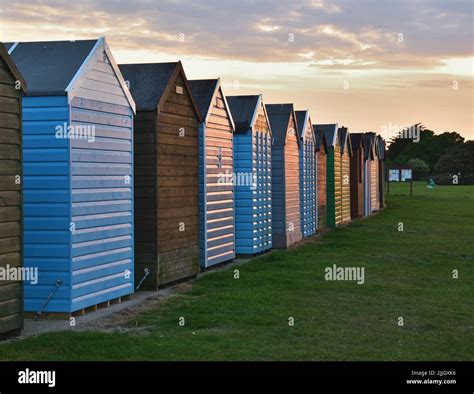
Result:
[
  {"x": 11, "y": 294},
  {"x": 46, "y": 201},
  {"x": 367, "y": 188},
  {"x": 145, "y": 173},
  {"x": 109, "y": 217},
  {"x": 278, "y": 197},
  {"x": 177, "y": 194},
  {"x": 373, "y": 185},
  {"x": 253, "y": 199},
  {"x": 292, "y": 191},
  {"x": 337, "y": 185},
  {"x": 321, "y": 188},
  {"x": 216, "y": 201},
  {"x": 346, "y": 187},
  {"x": 330, "y": 188},
  {"x": 308, "y": 183},
  {"x": 381, "y": 183},
  {"x": 357, "y": 183},
  {"x": 285, "y": 191},
  {"x": 264, "y": 182}
]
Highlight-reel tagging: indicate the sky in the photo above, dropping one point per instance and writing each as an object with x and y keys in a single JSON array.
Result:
[{"x": 369, "y": 65}]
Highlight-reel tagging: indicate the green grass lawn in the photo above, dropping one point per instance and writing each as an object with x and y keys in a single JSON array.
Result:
[{"x": 407, "y": 274}]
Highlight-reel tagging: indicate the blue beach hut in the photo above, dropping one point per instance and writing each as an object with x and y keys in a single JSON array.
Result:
[
  {"x": 78, "y": 167},
  {"x": 308, "y": 174},
  {"x": 285, "y": 176},
  {"x": 252, "y": 175}
]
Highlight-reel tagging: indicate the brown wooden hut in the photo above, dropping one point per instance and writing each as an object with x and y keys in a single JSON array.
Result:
[
  {"x": 11, "y": 291},
  {"x": 357, "y": 175},
  {"x": 166, "y": 173},
  {"x": 321, "y": 158}
]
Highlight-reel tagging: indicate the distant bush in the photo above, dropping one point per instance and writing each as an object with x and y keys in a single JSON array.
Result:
[{"x": 420, "y": 169}]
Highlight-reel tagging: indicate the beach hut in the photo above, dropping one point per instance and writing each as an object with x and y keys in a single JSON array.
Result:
[
  {"x": 12, "y": 86},
  {"x": 346, "y": 153},
  {"x": 166, "y": 174},
  {"x": 308, "y": 174},
  {"x": 333, "y": 174},
  {"x": 368, "y": 164},
  {"x": 285, "y": 175},
  {"x": 321, "y": 159},
  {"x": 77, "y": 175},
  {"x": 381, "y": 170},
  {"x": 374, "y": 174},
  {"x": 216, "y": 191},
  {"x": 357, "y": 175},
  {"x": 253, "y": 175}
]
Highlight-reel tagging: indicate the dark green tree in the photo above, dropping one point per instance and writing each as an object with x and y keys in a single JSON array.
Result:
[
  {"x": 420, "y": 169},
  {"x": 458, "y": 160}
]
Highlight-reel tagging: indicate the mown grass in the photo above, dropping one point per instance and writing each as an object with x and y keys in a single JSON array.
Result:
[{"x": 407, "y": 274}]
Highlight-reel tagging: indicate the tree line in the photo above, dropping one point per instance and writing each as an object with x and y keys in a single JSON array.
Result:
[{"x": 441, "y": 157}]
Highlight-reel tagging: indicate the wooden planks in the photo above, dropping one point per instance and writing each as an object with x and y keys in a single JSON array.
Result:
[
  {"x": 292, "y": 192},
  {"x": 322, "y": 196},
  {"x": 11, "y": 293},
  {"x": 345, "y": 186},
  {"x": 177, "y": 163},
  {"x": 217, "y": 201},
  {"x": 357, "y": 182}
]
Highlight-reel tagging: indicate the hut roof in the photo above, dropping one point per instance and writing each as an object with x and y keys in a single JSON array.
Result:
[
  {"x": 50, "y": 66},
  {"x": 148, "y": 82},
  {"x": 302, "y": 119},
  {"x": 369, "y": 145},
  {"x": 357, "y": 140},
  {"x": 343, "y": 135},
  {"x": 320, "y": 138},
  {"x": 12, "y": 67},
  {"x": 203, "y": 91},
  {"x": 244, "y": 109},
  {"x": 330, "y": 132},
  {"x": 381, "y": 147},
  {"x": 55, "y": 68},
  {"x": 279, "y": 116}
]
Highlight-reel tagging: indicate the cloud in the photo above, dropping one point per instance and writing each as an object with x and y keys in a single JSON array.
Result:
[
  {"x": 263, "y": 30},
  {"x": 299, "y": 51}
]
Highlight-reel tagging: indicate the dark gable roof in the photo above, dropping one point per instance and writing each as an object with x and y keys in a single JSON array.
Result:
[
  {"x": 328, "y": 130},
  {"x": 203, "y": 90},
  {"x": 320, "y": 138},
  {"x": 300, "y": 118},
  {"x": 357, "y": 140},
  {"x": 381, "y": 147},
  {"x": 242, "y": 109},
  {"x": 343, "y": 135},
  {"x": 369, "y": 144},
  {"x": 49, "y": 66},
  {"x": 12, "y": 67},
  {"x": 279, "y": 118},
  {"x": 147, "y": 82}
]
